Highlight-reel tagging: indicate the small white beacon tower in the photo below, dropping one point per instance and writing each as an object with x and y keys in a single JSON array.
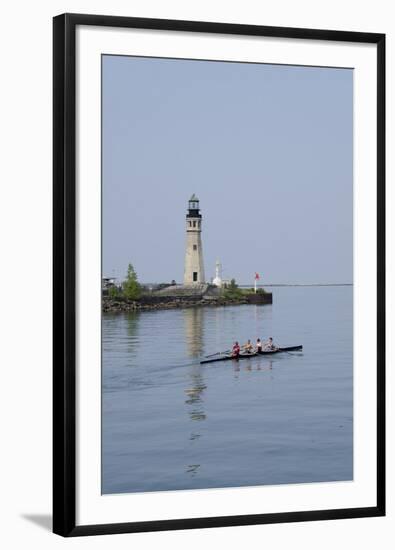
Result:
[{"x": 217, "y": 281}]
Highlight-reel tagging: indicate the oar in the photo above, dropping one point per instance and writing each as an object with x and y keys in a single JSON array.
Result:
[
  {"x": 291, "y": 351},
  {"x": 218, "y": 353}
]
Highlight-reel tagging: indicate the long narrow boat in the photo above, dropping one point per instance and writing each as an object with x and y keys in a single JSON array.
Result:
[{"x": 229, "y": 357}]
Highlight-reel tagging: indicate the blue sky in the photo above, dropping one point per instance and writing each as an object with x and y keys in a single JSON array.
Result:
[{"x": 267, "y": 149}]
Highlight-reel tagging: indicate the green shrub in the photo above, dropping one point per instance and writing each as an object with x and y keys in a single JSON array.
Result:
[
  {"x": 131, "y": 287},
  {"x": 232, "y": 291}
]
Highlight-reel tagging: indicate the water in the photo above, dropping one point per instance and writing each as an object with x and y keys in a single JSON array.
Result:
[{"x": 169, "y": 423}]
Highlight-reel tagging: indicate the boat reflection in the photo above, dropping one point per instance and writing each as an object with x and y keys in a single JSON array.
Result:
[{"x": 258, "y": 364}]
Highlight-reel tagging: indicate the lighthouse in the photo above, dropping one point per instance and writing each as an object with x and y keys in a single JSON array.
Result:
[{"x": 194, "y": 266}]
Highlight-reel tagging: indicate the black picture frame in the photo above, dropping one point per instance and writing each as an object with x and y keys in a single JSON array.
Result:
[{"x": 64, "y": 273}]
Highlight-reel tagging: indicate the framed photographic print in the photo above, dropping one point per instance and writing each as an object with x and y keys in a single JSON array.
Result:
[{"x": 219, "y": 274}]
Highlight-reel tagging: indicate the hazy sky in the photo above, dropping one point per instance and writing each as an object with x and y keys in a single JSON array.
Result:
[{"x": 266, "y": 148}]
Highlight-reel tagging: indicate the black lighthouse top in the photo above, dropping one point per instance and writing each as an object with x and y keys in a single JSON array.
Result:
[{"x": 193, "y": 207}]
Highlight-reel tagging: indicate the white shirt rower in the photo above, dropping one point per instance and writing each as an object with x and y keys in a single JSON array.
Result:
[{"x": 269, "y": 346}]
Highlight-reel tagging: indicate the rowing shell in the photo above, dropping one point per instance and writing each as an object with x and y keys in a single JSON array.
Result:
[{"x": 249, "y": 355}]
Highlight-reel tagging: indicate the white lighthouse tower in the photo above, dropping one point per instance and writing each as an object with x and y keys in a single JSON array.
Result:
[{"x": 194, "y": 266}]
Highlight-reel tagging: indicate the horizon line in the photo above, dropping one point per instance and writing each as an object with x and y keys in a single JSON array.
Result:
[{"x": 301, "y": 284}]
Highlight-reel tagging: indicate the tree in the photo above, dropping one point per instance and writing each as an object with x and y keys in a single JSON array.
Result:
[
  {"x": 233, "y": 285},
  {"x": 131, "y": 287}
]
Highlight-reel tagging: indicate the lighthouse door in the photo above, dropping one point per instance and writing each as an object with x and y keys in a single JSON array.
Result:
[{"x": 195, "y": 276}]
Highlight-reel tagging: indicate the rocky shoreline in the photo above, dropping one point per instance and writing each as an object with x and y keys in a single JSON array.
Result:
[{"x": 153, "y": 303}]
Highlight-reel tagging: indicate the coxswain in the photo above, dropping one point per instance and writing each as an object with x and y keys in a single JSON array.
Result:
[
  {"x": 258, "y": 345},
  {"x": 236, "y": 349}
]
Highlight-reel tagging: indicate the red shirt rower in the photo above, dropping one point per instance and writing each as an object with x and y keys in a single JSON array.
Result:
[{"x": 236, "y": 349}]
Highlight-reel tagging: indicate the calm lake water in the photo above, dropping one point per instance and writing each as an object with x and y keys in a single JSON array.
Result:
[{"x": 170, "y": 423}]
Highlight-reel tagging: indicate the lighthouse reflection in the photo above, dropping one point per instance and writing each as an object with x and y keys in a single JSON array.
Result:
[{"x": 193, "y": 323}]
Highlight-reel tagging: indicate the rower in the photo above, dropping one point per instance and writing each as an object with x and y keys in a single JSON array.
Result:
[
  {"x": 269, "y": 346},
  {"x": 248, "y": 347},
  {"x": 258, "y": 345},
  {"x": 236, "y": 349}
]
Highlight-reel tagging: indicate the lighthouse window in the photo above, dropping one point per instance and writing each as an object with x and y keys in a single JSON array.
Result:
[
  {"x": 194, "y": 224},
  {"x": 195, "y": 246},
  {"x": 190, "y": 224},
  {"x": 195, "y": 276}
]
